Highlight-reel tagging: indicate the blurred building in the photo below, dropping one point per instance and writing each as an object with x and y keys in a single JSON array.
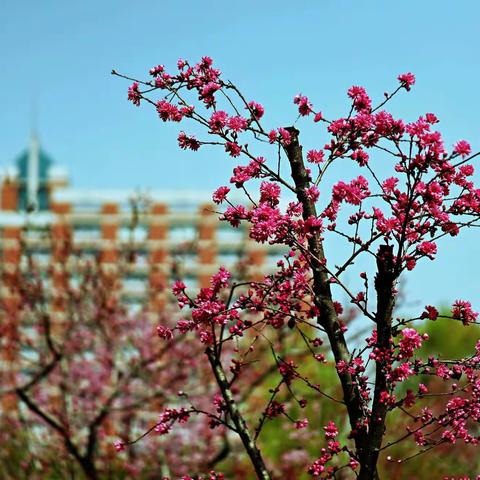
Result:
[
  {"x": 144, "y": 240},
  {"x": 162, "y": 233}
]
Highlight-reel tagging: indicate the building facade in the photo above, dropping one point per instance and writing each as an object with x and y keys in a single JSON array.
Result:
[
  {"x": 143, "y": 239},
  {"x": 166, "y": 232}
]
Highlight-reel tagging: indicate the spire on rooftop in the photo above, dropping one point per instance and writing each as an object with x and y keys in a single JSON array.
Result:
[
  {"x": 33, "y": 173},
  {"x": 33, "y": 166}
]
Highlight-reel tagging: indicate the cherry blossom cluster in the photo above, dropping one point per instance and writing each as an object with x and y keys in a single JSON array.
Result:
[{"x": 320, "y": 467}]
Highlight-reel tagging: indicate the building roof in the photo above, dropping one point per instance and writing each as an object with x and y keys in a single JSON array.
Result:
[{"x": 44, "y": 164}]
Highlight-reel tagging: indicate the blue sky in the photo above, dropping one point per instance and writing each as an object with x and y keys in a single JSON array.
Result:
[{"x": 59, "y": 54}]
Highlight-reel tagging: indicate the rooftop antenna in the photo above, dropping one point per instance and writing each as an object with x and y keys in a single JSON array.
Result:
[
  {"x": 34, "y": 115},
  {"x": 33, "y": 162}
]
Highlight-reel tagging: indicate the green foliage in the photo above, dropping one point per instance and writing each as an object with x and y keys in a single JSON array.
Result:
[{"x": 449, "y": 338}]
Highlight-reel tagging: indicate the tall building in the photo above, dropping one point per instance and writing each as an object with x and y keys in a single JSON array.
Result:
[{"x": 166, "y": 232}]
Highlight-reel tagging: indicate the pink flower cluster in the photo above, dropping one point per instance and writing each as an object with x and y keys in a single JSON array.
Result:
[
  {"x": 281, "y": 136},
  {"x": 304, "y": 105},
  {"x": 410, "y": 342},
  {"x": 168, "y": 417},
  {"x": 462, "y": 310},
  {"x": 320, "y": 468},
  {"x": 134, "y": 94},
  {"x": 188, "y": 142},
  {"x": 353, "y": 192},
  {"x": 407, "y": 80},
  {"x": 361, "y": 101}
]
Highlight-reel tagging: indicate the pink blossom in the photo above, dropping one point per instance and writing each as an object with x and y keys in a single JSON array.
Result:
[
  {"x": 220, "y": 194},
  {"x": 313, "y": 225},
  {"x": 256, "y": 110},
  {"x": 164, "y": 332},
  {"x": 389, "y": 185},
  {"x": 331, "y": 430},
  {"x": 420, "y": 438},
  {"x": 285, "y": 137},
  {"x": 387, "y": 398},
  {"x": 401, "y": 373},
  {"x": 431, "y": 118},
  {"x": 411, "y": 341},
  {"x": 270, "y": 193},
  {"x": 162, "y": 80},
  {"x": 318, "y": 467},
  {"x": 206, "y": 61},
  {"x": 462, "y": 310},
  {"x": 220, "y": 279},
  {"x": 430, "y": 312},
  {"x": 233, "y": 149},
  {"x": 360, "y": 156},
  {"x": 427, "y": 248},
  {"x": 467, "y": 170},
  {"x": 444, "y": 372},
  {"x": 187, "y": 111},
  {"x": 133, "y": 94},
  {"x": 218, "y": 121},
  {"x": 155, "y": 71},
  {"x": 207, "y": 93},
  {"x": 315, "y": 156},
  {"x": 188, "y": 142},
  {"x": 334, "y": 447},
  {"x": 242, "y": 174},
  {"x": 353, "y": 464},
  {"x": 178, "y": 287},
  {"x": 304, "y": 105},
  {"x": 422, "y": 389},
  {"x": 312, "y": 193},
  {"x": 206, "y": 337},
  {"x": 361, "y": 101},
  {"x": 167, "y": 111},
  {"x": 235, "y": 214},
  {"x": 287, "y": 371},
  {"x": 266, "y": 222},
  {"x": 168, "y": 417},
  {"x": 272, "y": 136},
  {"x": 119, "y": 446},
  {"x": 407, "y": 80},
  {"x": 237, "y": 124},
  {"x": 449, "y": 436},
  {"x": 462, "y": 148},
  {"x": 352, "y": 193},
  {"x": 275, "y": 409}
]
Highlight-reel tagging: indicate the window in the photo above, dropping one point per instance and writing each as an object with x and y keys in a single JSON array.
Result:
[
  {"x": 190, "y": 282},
  {"x": 35, "y": 234},
  {"x": 234, "y": 235},
  {"x": 81, "y": 234},
  {"x": 137, "y": 234},
  {"x": 186, "y": 233},
  {"x": 134, "y": 285},
  {"x": 228, "y": 259},
  {"x": 41, "y": 258}
]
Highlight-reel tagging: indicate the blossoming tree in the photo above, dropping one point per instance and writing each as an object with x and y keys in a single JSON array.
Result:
[
  {"x": 90, "y": 371},
  {"x": 390, "y": 223}
]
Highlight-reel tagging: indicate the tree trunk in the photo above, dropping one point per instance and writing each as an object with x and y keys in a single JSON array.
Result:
[
  {"x": 384, "y": 285},
  {"x": 367, "y": 443},
  {"x": 89, "y": 469},
  {"x": 237, "y": 418}
]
